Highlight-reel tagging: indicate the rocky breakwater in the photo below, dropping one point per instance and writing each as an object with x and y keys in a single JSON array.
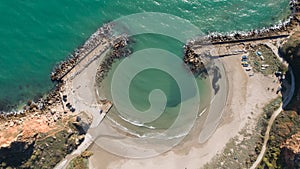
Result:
[
  {"x": 281, "y": 30},
  {"x": 119, "y": 50},
  {"x": 95, "y": 39},
  {"x": 196, "y": 62}
]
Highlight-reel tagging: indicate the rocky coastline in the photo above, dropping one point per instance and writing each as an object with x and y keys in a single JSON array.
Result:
[
  {"x": 284, "y": 28},
  {"x": 53, "y": 109},
  {"x": 54, "y": 99},
  {"x": 120, "y": 50},
  {"x": 197, "y": 62},
  {"x": 47, "y": 118},
  {"x": 95, "y": 39}
]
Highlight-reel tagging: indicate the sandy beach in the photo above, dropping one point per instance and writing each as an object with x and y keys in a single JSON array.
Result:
[{"x": 246, "y": 97}]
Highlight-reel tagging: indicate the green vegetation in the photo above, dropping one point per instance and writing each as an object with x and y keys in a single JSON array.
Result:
[
  {"x": 56, "y": 147},
  {"x": 242, "y": 151},
  {"x": 239, "y": 151},
  {"x": 271, "y": 107},
  {"x": 288, "y": 122},
  {"x": 80, "y": 162},
  {"x": 285, "y": 125},
  {"x": 269, "y": 64}
]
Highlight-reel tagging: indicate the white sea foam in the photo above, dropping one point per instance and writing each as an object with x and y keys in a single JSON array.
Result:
[
  {"x": 157, "y": 3},
  {"x": 136, "y": 123},
  {"x": 155, "y": 135}
]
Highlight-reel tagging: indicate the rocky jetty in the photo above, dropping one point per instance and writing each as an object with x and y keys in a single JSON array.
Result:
[
  {"x": 197, "y": 62},
  {"x": 193, "y": 60},
  {"x": 119, "y": 50},
  {"x": 54, "y": 99},
  {"x": 96, "y": 39},
  {"x": 44, "y": 127},
  {"x": 278, "y": 30}
]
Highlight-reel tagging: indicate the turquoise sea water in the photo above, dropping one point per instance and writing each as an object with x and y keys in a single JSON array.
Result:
[{"x": 35, "y": 35}]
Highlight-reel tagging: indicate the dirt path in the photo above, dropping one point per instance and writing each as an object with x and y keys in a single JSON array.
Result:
[{"x": 266, "y": 138}]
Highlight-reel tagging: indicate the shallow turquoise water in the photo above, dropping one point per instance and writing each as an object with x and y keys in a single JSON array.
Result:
[
  {"x": 35, "y": 35},
  {"x": 145, "y": 82}
]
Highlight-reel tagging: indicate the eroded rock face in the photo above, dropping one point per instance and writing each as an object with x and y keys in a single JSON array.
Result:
[
  {"x": 29, "y": 141},
  {"x": 293, "y": 143},
  {"x": 291, "y": 151},
  {"x": 287, "y": 127},
  {"x": 44, "y": 150}
]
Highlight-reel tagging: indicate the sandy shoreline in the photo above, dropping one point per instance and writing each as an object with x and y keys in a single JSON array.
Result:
[{"x": 246, "y": 97}]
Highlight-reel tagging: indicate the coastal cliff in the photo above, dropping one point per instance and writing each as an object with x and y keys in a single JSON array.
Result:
[
  {"x": 283, "y": 146},
  {"x": 35, "y": 143},
  {"x": 291, "y": 53}
]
